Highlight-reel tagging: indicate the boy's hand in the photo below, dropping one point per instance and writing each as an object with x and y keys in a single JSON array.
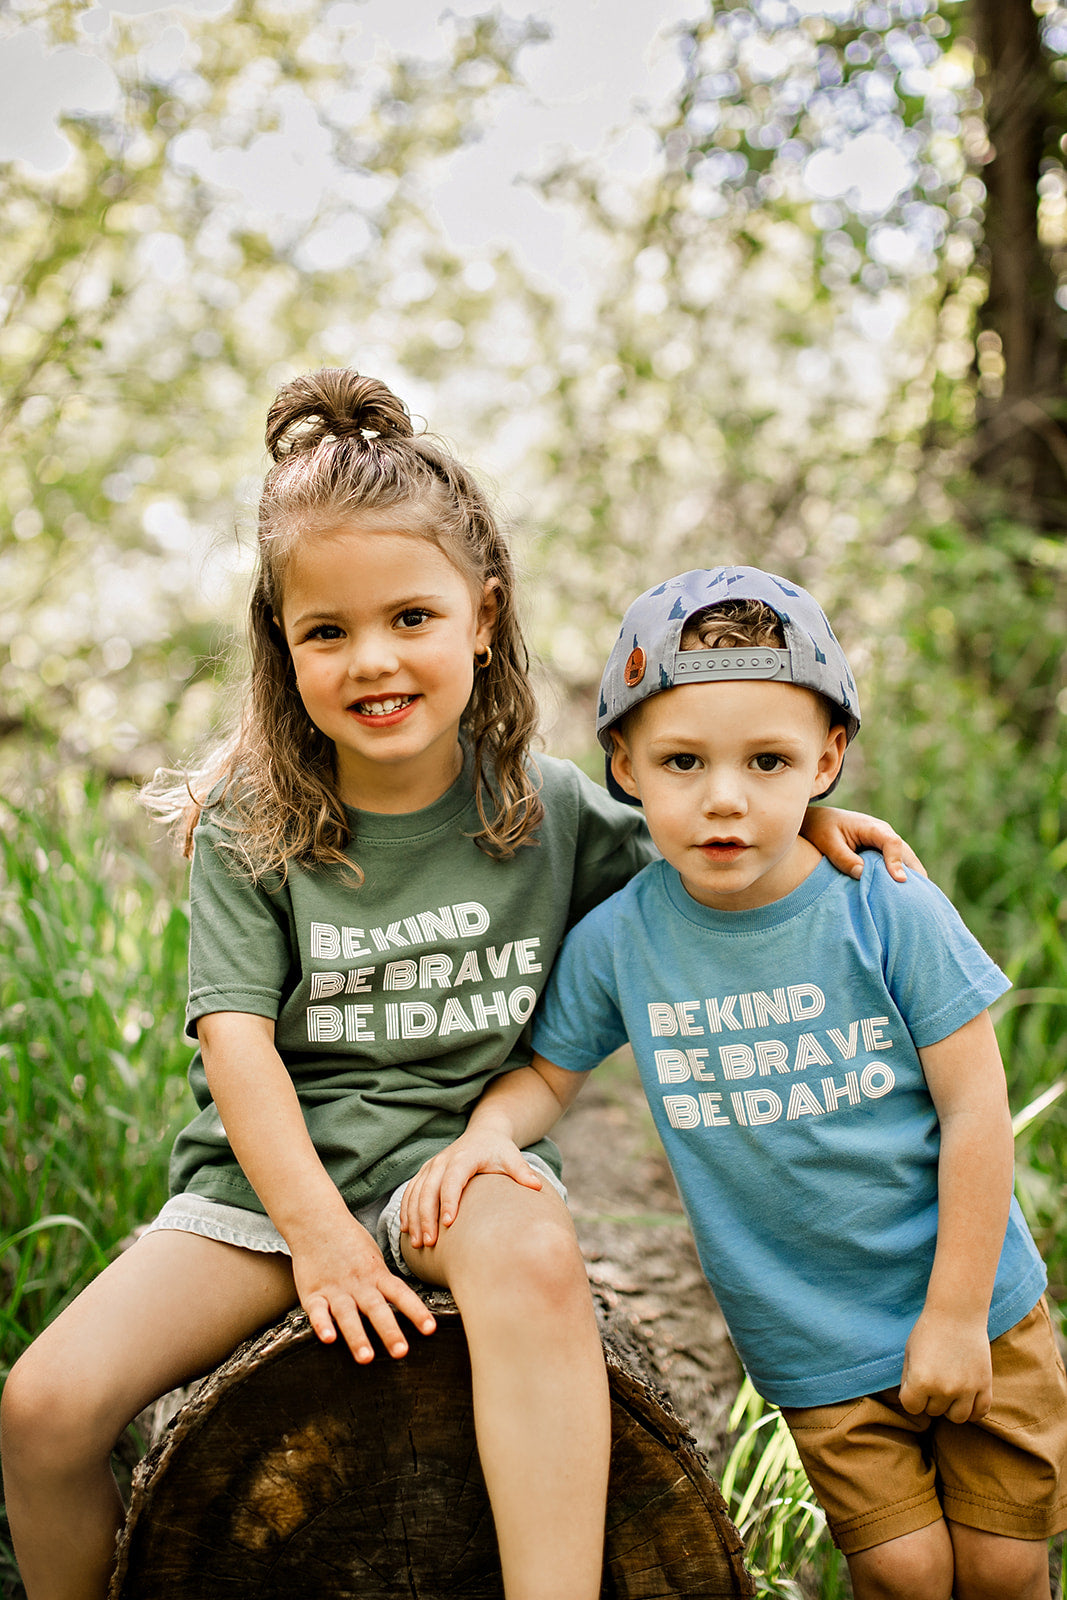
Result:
[
  {"x": 948, "y": 1368},
  {"x": 839, "y": 834},
  {"x": 341, "y": 1278},
  {"x": 431, "y": 1200}
]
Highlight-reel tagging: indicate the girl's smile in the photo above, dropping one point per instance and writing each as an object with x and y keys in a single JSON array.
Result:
[{"x": 383, "y": 630}]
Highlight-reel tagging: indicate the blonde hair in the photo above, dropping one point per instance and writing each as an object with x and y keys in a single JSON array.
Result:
[
  {"x": 733, "y": 625},
  {"x": 344, "y": 450}
]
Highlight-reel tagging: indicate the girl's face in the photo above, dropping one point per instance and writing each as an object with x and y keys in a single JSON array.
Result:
[{"x": 383, "y": 630}]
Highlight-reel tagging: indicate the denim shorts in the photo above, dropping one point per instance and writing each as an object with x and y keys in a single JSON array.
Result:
[{"x": 251, "y": 1230}]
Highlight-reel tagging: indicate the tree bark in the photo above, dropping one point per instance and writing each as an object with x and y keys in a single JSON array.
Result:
[
  {"x": 1021, "y": 444},
  {"x": 294, "y": 1472}
]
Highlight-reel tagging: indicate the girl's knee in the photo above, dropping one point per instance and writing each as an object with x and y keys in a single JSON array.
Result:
[
  {"x": 538, "y": 1268},
  {"x": 51, "y": 1418}
]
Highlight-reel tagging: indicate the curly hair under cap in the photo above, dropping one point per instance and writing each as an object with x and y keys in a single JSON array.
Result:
[{"x": 344, "y": 450}]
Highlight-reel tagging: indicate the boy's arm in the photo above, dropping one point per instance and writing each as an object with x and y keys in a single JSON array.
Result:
[
  {"x": 839, "y": 834},
  {"x": 947, "y": 1363},
  {"x": 516, "y": 1110},
  {"x": 340, "y": 1274}
]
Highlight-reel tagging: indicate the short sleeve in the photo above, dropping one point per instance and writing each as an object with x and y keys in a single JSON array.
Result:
[
  {"x": 613, "y": 845},
  {"x": 936, "y": 971},
  {"x": 239, "y": 943},
  {"x": 579, "y": 1020}
]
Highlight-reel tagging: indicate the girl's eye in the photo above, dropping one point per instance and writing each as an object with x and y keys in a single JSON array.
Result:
[
  {"x": 413, "y": 618},
  {"x": 684, "y": 761},
  {"x": 766, "y": 762},
  {"x": 325, "y": 630}
]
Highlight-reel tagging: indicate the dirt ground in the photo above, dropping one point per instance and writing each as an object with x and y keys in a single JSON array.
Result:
[{"x": 640, "y": 1252}]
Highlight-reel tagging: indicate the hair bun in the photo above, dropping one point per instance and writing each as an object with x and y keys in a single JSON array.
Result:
[{"x": 334, "y": 403}]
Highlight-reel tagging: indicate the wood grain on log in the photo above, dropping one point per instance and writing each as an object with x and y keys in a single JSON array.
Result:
[{"x": 294, "y": 1472}]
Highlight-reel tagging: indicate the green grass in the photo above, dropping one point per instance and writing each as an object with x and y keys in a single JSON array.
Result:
[{"x": 92, "y": 1059}]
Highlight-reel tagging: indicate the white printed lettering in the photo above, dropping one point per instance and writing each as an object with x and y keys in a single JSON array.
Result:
[
  {"x": 736, "y": 1060},
  {"x": 324, "y": 984},
  {"x": 435, "y": 969},
  {"x": 805, "y": 1000},
  {"x": 833, "y": 1095},
  {"x": 808, "y": 1050},
  {"x": 721, "y": 1014},
  {"x": 355, "y": 1031},
  {"x": 437, "y": 925},
  {"x": 802, "y": 1103},
  {"x": 682, "y": 1110},
  {"x": 873, "y": 1038},
  {"x": 498, "y": 960},
  {"x": 847, "y": 1046},
  {"x": 772, "y": 1054},
  {"x": 672, "y": 1066},
  {"x": 524, "y": 949},
  {"x": 418, "y": 1019},
  {"x": 454, "y": 1019},
  {"x": 357, "y": 980},
  {"x": 400, "y": 975},
  {"x": 877, "y": 1080},
  {"x": 469, "y": 970},
  {"x": 662, "y": 1021},
  {"x": 770, "y": 1008},
  {"x": 351, "y": 948},
  {"x": 521, "y": 1002},
  {"x": 325, "y": 1024},
  {"x": 709, "y": 1106},
  {"x": 762, "y": 1105},
  {"x": 471, "y": 918},
  {"x": 325, "y": 942},
  {"x": 497, "y": 1008}
]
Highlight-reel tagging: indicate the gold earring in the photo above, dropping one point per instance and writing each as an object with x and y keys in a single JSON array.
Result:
[{"x": 488, "y": 656}]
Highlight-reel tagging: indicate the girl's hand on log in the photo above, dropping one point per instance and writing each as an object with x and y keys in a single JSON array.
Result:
[
  {"x": 431, "y": 1200},
  {"x": 343, "y": 1280},
  {"x": 839, "y": 834}
]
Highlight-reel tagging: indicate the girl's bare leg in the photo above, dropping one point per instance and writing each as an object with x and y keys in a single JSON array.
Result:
[
  {"x": 541, "y": 1408},
  {"x": 169, "y": 1309}
]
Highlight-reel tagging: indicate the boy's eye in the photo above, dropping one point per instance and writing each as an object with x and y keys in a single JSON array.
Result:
[
  {"x": 684, "y": 761},
  {"x": 766, "y": 762}
]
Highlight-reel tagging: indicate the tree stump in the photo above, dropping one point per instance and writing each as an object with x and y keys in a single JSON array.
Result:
[{"x": 294, "y": 1472}]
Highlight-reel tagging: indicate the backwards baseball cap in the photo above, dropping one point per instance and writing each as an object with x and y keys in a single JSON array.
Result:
[{"x": 646, "y": 658}]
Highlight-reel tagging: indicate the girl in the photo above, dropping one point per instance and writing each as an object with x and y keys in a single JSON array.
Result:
[{"x": 381, "y": 876}]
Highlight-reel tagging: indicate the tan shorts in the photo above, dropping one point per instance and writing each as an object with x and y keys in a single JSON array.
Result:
[{"x": 880, "y": 1472}]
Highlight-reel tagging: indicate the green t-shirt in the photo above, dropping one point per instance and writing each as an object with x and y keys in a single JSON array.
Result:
[{"x": 398, "y": 999}]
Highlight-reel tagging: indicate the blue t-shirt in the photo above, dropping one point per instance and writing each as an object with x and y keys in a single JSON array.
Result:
[{"x": 778, "y": 1050}]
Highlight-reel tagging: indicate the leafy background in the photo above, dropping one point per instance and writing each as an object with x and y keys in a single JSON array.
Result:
[{"x": 824, "y": 334}]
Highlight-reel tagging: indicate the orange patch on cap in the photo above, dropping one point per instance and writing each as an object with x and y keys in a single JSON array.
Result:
[{"x": 634, "y": 670}]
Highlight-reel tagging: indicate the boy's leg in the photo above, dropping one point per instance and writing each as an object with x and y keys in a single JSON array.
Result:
[
  {"x": 167, "y": 1310},
  {"x": 541, "y": 1407},
  {"x": 915, "y": 1566},
  {"x": 991, "y": 1567}
]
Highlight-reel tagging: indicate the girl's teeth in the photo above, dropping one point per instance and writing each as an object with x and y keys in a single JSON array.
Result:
[{"x": 381, "y": 708}]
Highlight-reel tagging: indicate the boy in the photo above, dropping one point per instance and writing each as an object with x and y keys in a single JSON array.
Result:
[{"x": 822, "y": 1069}]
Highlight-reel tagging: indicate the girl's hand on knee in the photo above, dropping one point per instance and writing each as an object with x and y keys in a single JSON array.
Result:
[
  {"x": 432, "y": 1198},
  {"x": 347, "y": 1283},
  {"x": 839, "y": 834}
]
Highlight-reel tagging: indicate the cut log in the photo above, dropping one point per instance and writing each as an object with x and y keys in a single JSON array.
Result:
[{"x": 294, "y": 1472}]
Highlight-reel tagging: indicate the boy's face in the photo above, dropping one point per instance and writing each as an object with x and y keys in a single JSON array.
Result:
[{"x": 725, "y": 772}]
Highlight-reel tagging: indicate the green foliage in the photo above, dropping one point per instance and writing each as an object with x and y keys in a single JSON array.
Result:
[{"x": 92, "y": 1058}]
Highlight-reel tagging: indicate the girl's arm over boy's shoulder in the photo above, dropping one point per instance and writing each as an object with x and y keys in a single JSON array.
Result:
[{"x": 839, "y": 835}]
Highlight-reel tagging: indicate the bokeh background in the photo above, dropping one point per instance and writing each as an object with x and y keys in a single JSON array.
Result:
[{"x": 687, "y": 281}]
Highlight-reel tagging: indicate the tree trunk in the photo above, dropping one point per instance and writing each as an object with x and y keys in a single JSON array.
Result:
[
  {"x": 1022, "y": 446},
  {"x": 293, "y": 1472}
]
